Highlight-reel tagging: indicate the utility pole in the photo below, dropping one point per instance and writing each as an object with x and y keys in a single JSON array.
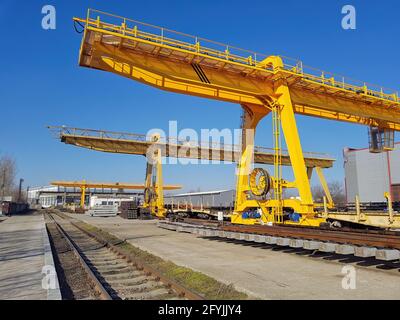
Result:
[{"x": 20, "y": 189}]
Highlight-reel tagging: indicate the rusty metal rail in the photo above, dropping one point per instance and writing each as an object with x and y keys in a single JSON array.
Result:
[
  {"x": 137, "y": 263},
  {"x": 104, "y": 295},
  {"x": 382, "y": 239}
]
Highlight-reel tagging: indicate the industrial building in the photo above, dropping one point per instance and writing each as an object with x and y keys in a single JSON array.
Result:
[
  {"x": 51, "y": 196},
  {"x": 370, "y": 175}
]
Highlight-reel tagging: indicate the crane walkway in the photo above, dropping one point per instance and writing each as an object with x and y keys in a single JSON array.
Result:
[{"x": 139, "y": 144}]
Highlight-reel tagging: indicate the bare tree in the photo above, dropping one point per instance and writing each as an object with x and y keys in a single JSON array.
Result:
[
  {"x": 336, "y": 189},
  {"x": 318, "y": 193},
  {"x": 8, "y": 171},
  {"x": 337, "y": 192}
]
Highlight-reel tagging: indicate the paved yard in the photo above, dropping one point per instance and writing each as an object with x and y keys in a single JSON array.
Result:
[{"x": 257, "y": 269}]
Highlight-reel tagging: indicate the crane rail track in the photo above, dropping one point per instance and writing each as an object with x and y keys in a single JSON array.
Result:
[
  {"x": 114, "y": 274},
  {"x": 383, "y": 245},
  {"x": 381, "y": 238}
]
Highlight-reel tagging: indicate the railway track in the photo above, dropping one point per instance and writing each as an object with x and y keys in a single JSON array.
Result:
[
  {"x": 113, "y": 274},
  {"x": 383, "y": 245}
]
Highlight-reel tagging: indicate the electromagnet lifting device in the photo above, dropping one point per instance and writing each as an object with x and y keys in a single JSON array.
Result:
[{"x": 260, "y": 84}]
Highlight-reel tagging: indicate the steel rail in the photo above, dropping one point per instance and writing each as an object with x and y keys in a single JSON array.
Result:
[
  {"x": 382, "y": 239},
  {"x": 181, "y": 290},
  {"x": 75, "y": 249}
]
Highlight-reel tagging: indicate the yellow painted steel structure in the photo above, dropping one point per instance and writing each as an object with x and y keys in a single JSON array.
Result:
[
  {"x": 191, "y": 65},
  {"x": 154, "y": 192},
  {"x": 84, "y": 185},
  {"x": 139, "y": 144}
]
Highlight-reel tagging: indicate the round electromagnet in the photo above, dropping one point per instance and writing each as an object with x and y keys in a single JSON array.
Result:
[{"x": 260, "y": 182}]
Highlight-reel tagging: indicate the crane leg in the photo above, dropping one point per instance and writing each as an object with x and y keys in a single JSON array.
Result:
[
  {"x": 289, "y": 128},
  {"x": 251, "y": 117},
  {"x": 154, "y": 190}
]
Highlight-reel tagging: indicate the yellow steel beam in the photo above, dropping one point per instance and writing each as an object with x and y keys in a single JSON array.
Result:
[
  {"x": 138, "y": 145},
  {"x": 375, "y": 219},
  {"x": 167, "y": 63},
  {"x": 107, "y": 185},
  {"x": 324, "y": 185}
]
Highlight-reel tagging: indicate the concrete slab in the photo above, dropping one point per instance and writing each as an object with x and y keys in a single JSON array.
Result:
[
  {"x": 271, "y": 240},
  {"x": 251, "y": 237},
  {"x": 296, "y": 243},
  {"x": 210, "y": 233},
  {"x": 25, "y": 259},
  {"x": 387, "y": 255},
  {"x": 311, "y": 245},
  {"x": 243, "y": 236},
  {"x": 230, "y": 235},
  {"x": 221, "y": 234},
  {"x": 238, "y": 236},
  {"x": 284, "y": 242},
  {"x": 345, "y": 249},
  {"x": 247, "y": 265},
  {"x": 259, "y": 239},
  {"x": 328, "y": 247},
  {"x": 202, "y": 232},
  {"x": 365, "y": 252}
]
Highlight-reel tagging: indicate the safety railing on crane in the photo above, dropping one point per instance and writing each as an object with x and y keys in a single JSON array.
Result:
[
  {"x": 60, "y": 131},
  {"x": 181, "y": 41}
]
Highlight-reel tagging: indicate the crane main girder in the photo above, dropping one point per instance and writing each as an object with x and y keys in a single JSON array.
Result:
[{"x": 190, "y": 68}]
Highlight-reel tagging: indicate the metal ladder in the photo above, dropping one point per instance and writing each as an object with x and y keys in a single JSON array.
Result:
[{"x": 276, "y": 128}]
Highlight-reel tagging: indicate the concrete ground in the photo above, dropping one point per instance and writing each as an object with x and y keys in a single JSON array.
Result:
[
  {"x": 24, "y": 251},
  {"x": 259, "y": 270}
]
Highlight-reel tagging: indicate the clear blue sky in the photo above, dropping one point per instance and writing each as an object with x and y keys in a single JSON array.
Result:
[{"x": 41, "y": 83}]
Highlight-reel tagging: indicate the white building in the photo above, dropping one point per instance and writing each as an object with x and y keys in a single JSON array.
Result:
[
  {"x": 51, "y": 196},
  {"x": 370, "y": 175}
]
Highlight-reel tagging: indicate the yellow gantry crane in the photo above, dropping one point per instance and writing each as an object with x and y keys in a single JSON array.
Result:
[
  {"x": 261, "y": 84},
  {"x": 153, "y": 146},
  {"x": 154, "y": 203}
]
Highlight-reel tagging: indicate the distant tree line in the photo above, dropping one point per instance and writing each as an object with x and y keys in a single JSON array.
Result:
[{"x": 336, "y": 189}]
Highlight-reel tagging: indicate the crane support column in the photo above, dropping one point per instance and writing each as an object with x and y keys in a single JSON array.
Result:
[
  {"x": 154, "y": 191},
  {"x": 159, "y": 190},
  {"x": 289, "y": 128},
  {"x": 83, "y": 194},
  {"x": 325, "y": 187},
  {"x": 251, "y": 117}
]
